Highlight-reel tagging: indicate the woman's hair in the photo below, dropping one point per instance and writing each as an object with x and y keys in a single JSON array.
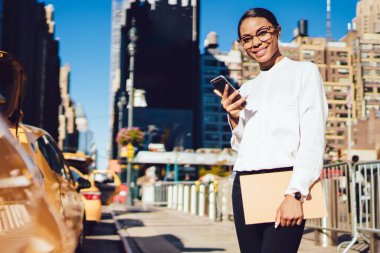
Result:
[{"x": 258, "y": 13}]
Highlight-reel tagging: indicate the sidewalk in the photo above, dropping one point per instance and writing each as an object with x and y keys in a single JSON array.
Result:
[{"x": 169, "y": 231}]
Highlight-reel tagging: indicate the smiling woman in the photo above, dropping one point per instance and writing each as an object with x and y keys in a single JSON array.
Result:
[{"x": 281, "y": 128}]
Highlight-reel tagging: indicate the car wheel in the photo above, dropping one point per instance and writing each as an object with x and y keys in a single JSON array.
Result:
[{"x": 90, "y": 227}]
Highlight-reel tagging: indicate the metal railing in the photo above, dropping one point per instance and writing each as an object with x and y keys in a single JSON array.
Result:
[
  {"x": 352, "y": 200},
  {"x": 365, "y": 197},
  {"x": 335, "y": 179}
]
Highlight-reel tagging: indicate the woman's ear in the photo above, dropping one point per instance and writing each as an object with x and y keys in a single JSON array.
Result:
[{"x": 279, "y": 31}]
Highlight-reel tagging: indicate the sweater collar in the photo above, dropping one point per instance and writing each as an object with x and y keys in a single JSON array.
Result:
[{"x": 276, "y": 66}]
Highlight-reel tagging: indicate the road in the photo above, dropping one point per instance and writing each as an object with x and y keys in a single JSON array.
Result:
[{"x": 104, "y": 238}]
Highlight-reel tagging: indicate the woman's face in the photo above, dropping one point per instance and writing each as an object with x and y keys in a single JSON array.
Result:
[{"x": 261, "y": 51}]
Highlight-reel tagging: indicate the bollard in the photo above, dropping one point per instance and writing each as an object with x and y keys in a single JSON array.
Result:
[
  {"x": 202, "y": 200},
  {"x": 223, "y": 196},
  {"x": 175, "y": 196},
  {"x": 170, "y": 196},
  {"x": 211, "y": 203},
  {"x": 186, "y": 198},
  {"x": 180, "y": 197},
  {"x": 193, "y": 201}
]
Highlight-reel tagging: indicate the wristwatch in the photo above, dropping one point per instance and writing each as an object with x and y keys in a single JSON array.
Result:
[{"x": 298, "y": 196}]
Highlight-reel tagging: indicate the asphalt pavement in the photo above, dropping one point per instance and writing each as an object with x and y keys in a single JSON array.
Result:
[
  {"x": 104, "y": 237},
  {"x": 163, "y": 230}
]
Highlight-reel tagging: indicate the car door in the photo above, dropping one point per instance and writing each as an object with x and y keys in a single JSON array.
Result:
[{"x": 72, "y": 205}]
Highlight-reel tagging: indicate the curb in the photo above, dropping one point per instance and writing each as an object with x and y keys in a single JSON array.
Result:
[{"x": 124, "y": 236}]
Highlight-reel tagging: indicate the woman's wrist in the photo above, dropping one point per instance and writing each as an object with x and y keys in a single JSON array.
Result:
[{"x": 233, "y": 117}]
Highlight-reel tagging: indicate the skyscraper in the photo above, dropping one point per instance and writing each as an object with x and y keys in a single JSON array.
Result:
[
  {"x": 367, "y": 18},
  {"x": 215, "y": 130},
  {"x": 167, "y": 58},
  {"x": 118, "y": 20},
  {"x": 67, "y": 132},
  {"x": 27, "y": 32}
]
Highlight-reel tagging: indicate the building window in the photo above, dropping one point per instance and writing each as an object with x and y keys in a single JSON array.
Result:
[
  {"x": 212, "y": 137},
  {"x": 213, "y": 63},
  {"x": 211, "y": 99},
  {"x": 212, "y": 108},
  {"x": 226, "y": 137},
  {"x": 211, "y": 127},
  {"x": 211, "y": 118}
]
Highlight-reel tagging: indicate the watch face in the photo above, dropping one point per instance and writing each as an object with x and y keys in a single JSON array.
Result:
[{"x": 297, "y": 196}]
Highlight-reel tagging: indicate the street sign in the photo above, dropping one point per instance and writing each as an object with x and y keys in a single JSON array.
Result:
[{"x": 130, "y": 151}]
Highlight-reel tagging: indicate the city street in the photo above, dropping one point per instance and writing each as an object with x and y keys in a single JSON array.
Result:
[
  {"x": 157, "y": 230},
  {"x": 104, "y": 238}
]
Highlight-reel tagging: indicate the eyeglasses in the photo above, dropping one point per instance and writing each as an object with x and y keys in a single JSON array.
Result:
[{"x": 263, "y": 35}]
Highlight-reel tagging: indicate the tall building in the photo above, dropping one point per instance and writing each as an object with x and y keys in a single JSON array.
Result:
[
  {"x": 85, "y": 135},
  {"x": 215, "y": 130},
  {"x": 67, "y": 130},
  {"x": 366, "y": 70},
  {"x": 367, "y": 18},
  {"x": 118, "y": 20},
  {"x": 166, "y": 63},
  {"x": 27, "y": 32}
]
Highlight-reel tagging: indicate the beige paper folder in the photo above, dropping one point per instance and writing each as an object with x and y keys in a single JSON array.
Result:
[{"x": 263, "y": 193}]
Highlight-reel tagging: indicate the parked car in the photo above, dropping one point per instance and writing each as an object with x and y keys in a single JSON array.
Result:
[
  {"x": 56, "y": 181},
  {"x": 28, "y": 223},
  {"x": 109, "y": 184},
  {"x": 91, "y": 199},
  {"x": 59, "y": 183},
  {"x": 107, "y": 181}
]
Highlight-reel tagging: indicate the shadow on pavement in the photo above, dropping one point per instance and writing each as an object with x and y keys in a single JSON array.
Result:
[
  {"x": 103, "y": 239},
  {"x": 103, "y": 228},
  {"x": 130, "y": 223},
  {"x": 106, "y": 216},
  {"x": 133, "y": 210},
  {"x": 167, "y": 243},
  {"x": 103, "y": 246}
]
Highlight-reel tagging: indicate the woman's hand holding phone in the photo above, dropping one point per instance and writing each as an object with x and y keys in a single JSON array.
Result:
[{"x": 232, "y": 108}]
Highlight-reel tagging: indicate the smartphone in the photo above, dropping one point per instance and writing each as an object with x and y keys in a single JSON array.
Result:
[{"x": 220, "y": 82}]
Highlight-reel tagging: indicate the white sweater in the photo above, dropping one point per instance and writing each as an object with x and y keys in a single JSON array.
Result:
[{"x": 283, "y": 123}]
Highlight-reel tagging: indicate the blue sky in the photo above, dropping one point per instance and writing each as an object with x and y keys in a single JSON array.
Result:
[{"x": 83, "y": 28}]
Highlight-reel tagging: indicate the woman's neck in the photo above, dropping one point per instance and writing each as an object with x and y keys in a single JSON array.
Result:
[{"x": 272, "y": 61}]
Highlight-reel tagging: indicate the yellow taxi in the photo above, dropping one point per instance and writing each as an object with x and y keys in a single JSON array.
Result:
[
  {"x": 59, "y": 183},
  {"x": 28, "y": 223},
  {"x": 56, "y": 181},
  {"x": 91, "y": 199},
  {"x": 109, "y": 184}
]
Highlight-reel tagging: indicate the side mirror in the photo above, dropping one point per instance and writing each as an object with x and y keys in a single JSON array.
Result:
[{"x": 83, "y": 184}]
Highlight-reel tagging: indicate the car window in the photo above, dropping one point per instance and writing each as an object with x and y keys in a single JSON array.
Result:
[
  {"x": 47, "y": 148},
  {"x": 75, "y": 175},
  {"x": 62, "y": 161}
]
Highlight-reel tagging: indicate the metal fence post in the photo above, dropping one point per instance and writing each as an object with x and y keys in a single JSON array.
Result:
[
  {"x": 180, "y": 197},
  {"x": 211, "y": 203},
  {"x": 186, "y": 198},
  {"x": 202, "y": 200},
  {"x": 193, "y": 201}
]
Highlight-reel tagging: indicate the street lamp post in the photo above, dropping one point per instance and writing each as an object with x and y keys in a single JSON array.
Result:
[
  {"x": 121, "y": 104},
  {"x": 132, "y": 51}
]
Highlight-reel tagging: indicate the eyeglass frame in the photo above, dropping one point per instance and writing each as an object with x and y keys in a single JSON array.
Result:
[{"x": 253, "y": 36}]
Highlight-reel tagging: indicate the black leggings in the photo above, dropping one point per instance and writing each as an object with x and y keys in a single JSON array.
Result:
[{"x": 262, "y": 238}]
